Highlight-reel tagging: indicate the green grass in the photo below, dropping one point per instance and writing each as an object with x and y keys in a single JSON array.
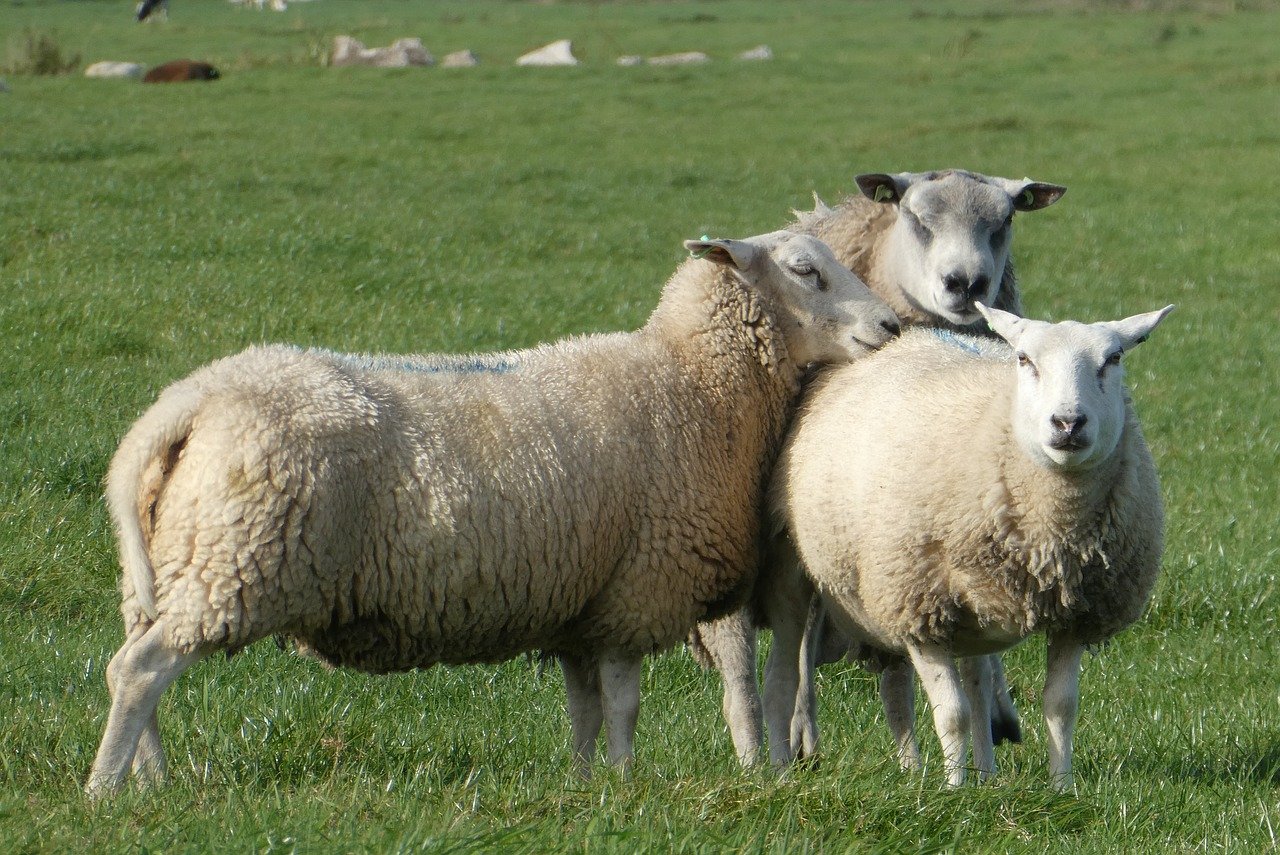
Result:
[{"x": 147, "y": 230}]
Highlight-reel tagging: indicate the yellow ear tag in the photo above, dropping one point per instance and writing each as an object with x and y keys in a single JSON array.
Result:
[
  {"x": 882, "y": 194},
  {"x": 702, "y": 253},
  {"x": 1028, "y": 198}
]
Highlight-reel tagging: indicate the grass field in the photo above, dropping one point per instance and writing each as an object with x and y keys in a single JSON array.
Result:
[{"x": 147, "y": 230}]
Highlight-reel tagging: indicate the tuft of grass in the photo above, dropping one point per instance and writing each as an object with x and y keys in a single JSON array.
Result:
[{"x": 39, "y": 53}]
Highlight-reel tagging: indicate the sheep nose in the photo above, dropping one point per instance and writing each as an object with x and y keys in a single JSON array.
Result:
[
  {"x": 891, "y": 327},
  {"x": 956, "y": 283},
  {"x": 1069, "y": 425},
  {"x": 962, "y": 286}
]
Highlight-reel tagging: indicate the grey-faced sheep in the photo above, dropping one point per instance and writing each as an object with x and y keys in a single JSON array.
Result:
[
  {"x": 948, "y": 503},
  {"x": 392, "y": 513},
  {"x": 930, "y": 244}
]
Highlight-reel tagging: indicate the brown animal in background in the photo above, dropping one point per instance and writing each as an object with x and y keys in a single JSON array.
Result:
[{"x": 181, "y": 70}]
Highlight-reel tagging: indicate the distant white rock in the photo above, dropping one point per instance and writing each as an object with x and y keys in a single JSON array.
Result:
[
  {"x": 460, "y": 59},
  {"x": 399, "y": 54},
  {"x": 114, "y": 69},
  {"x": 757, "y": 54},
  {"x": 692, "y": 57},
  {"x": 556, "y": 53},
  {"x": 630, "y": 59}
]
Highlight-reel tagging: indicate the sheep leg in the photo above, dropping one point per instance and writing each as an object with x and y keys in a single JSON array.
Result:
[
  {"x": 898, "y": 695},
  {"x": 976, "y": 672},
  {"x": 731, "y": 643},
  {"x": 582, "y": 700},
  {"x": 782, "y": 678},
  {"x": 951, "y": 714},
  {"x": 804, "y": 721},
  {"x": 148, "y": 760},
  {"x": 1061, "y": 704},
  {"x": 146, "y": 668},
  {"x": 620, "y": 692},
  {"x": 1005, "y": 726}
]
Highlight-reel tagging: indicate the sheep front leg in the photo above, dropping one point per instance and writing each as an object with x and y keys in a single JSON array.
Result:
[
  {"x": 1061, "y": 704},
  {"x": 138, "y": 676},
  {"x": 1005, "y": 725},
  {"x": 781, "y": 681},
  {"x": 976, "y": 671},
  {"x": 951, "y": 714},
  {"x": 582, "y": 701},
  {"x": 620, "y": 692},
  {"x": 898, "y": 696}
]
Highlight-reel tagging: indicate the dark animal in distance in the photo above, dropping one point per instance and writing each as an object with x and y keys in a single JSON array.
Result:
[{"x": 180, "y": 70}]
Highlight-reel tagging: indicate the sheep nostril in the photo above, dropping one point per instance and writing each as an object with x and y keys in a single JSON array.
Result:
[
  {"x": 891, "y": 327},
  {"x": 955, "y": 283},
  {"x": 979, "y": 286},
  {"x": 1069, "y": 424}
]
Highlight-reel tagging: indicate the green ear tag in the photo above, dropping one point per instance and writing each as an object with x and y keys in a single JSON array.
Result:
[
  {"x": 883, "y": 193},
  {"x": 1028, "y": 198},
  {"x": 702, "y": 253}
]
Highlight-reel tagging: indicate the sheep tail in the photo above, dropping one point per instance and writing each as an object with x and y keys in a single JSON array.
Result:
[{"x": 137, "y": 475}]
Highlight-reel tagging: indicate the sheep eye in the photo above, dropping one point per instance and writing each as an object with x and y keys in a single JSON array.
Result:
[
  {"x": 1024, "y": 361},
  {"x": 807, "y": 270},
  {"x": 1113, "y": 359},
  {"x": 915, "y": 222}
]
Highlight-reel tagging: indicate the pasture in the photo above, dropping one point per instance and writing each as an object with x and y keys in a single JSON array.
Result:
[{"x": 146, "y": 230}]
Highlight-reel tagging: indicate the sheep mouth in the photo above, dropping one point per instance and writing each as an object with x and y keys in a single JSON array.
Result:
[
  {"x": 868, "y": 346},
  {"x": 1069, "y": 443}
]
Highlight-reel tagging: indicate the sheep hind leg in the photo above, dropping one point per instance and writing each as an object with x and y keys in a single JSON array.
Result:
[
  {"x": 731, "y": 642},
  {"x": 620, "y": 693},
  {"x": 1061, "y": 704},
  {"x": 582, "y": 700},
  {"x": 148, "y": 760},
  {"x": 947, "y": 697},
  {"x": 976, "y": 672},
  {"x": 139, "y": 674},
  {"x": 898, "y": 696}
]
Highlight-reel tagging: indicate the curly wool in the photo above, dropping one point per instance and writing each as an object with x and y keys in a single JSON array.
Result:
[{"x": 391, "y": 513}]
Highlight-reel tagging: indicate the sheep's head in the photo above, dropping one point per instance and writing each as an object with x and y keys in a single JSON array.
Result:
[
  {"x": 950, "y": 244},
  {"x": 1069, "y": 409},
  {"x": 826, "y": 312}
]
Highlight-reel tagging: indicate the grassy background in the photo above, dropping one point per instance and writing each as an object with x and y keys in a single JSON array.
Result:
[{"x": 145, "y": 230}]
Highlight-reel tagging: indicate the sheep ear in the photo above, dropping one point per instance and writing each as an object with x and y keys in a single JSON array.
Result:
[
  {"x": 1134, "y": 330},
  {"x": 882, "y": 187},
  {"x": 1028, "y": 195},
  {"x": 736, "y": 252},
  {"x": 1007, "y": 325},
  {"x": 820, "y": 208}
]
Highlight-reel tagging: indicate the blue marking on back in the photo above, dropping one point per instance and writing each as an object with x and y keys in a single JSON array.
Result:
[
  {"x": 428, "y": 364},
  {"x": 949, "y": 337}
]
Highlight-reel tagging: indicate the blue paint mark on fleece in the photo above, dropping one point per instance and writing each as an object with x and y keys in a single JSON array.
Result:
[
  {"x": 431, "y": 364},
  {"x": 962, "y": 342}
]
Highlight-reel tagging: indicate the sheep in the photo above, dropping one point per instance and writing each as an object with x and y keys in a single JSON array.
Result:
[
  {"x": 915, "y": 239},
  {"x": 390, "y": 513},
  {"x": 948, "y": 502}
]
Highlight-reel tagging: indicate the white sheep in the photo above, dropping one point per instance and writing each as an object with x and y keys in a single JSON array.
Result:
[
  {"x": 947, "y": 502},
  {"x": 930, "y": 244},
  {"x": 592, "y": 498}
]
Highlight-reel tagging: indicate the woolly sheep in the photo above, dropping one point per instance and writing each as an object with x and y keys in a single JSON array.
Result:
[
  {"x": 947, "y": 502},
  {"x": 392, "y": 513},
  {"x": 911, "y": 238}
]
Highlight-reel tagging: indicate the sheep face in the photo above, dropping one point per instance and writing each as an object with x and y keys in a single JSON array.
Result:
[
  {"x": 827, "y": 313},
  {"x": 1069, "y": 407},
  {"x": 949, "y": 247}
]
